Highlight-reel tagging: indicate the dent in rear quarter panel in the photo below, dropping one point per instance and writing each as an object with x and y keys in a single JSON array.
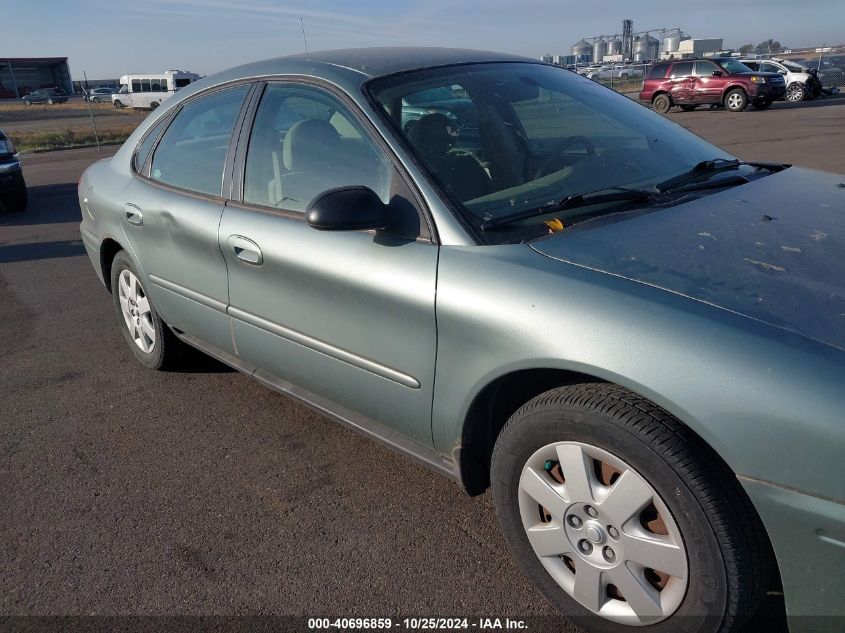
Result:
[
  {"x": 100, "y": 192},
  {"x": 768, "y": 401}
]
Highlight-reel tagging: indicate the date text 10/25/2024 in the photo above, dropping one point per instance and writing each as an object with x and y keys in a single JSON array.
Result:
[{"x": 417, "y": 624}]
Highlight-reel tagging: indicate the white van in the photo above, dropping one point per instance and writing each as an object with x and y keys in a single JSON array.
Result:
[{"x": 148, "y": 90}]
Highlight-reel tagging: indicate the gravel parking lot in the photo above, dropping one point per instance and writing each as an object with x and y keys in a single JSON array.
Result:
[{"x": 126, "y": 491}]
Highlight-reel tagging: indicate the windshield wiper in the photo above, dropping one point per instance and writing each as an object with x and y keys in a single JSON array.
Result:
[
  {"x": 707, "y": 168},
  {"x": 614, "y": 194}
]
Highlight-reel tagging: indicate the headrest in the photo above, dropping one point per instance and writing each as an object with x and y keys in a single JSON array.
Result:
[
  {"x": 431, "y": 136},
  {"x": 307, "y": 141}
]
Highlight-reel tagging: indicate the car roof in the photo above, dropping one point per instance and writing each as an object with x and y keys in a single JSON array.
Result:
[{"x": 379, "y": 61}]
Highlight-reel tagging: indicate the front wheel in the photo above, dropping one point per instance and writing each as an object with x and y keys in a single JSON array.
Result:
[
  {"x": 623, "y": 518},
  {"x": 662, "y": 103},
  {"x": 795, "y": 92},
  {"x": 118, "y": 103},
  {"x": 736, "y": 100},
  {"x": 151, "y": 341},
  {"x": 27, "y": 102},
  {"x": 95, "y": 100},
  {"x": 49, "y": 102}
]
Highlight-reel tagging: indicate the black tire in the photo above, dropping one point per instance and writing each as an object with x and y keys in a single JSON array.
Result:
[
  {"x": 95, "y": 100},
  {"x": 168, "y": 350},
  {"x": 153, "y": 105},
  {"x": 728, "y": 557},
  {"x": 49, "y": 102},
  {"x": 662, "y": 103},
  {"x": 118, "y": 103},
  {"x": 736, "y": 100},
  {"x": 688, "y": 108},
  {"x": 27, "y": 102},
  {"x": 762, "y": 105},
  {"x": 17, "y": 200}
]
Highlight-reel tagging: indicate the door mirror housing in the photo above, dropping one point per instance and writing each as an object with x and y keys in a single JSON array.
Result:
[
  {"x": 718, "y": 73},
  {"x": 347, "y": 209}
]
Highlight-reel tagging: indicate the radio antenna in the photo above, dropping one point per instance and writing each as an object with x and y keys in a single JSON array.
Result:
[{"x": 304, "y": 39}]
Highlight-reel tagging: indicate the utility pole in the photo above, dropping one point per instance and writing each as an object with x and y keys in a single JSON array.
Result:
[{"x": 91, "y": 114}]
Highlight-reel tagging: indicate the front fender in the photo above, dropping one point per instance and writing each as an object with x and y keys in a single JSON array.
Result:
[{"x": 763, "y": 398}]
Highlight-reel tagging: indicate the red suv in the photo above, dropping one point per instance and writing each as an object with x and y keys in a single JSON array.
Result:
[{"x": 716, "y": 81}]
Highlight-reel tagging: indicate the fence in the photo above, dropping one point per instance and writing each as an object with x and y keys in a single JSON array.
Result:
[{"x": 43, "y": 126}]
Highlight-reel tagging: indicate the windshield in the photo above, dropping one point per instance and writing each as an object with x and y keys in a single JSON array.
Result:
[
  {"x": 734, "y": 66},
  {"x": 518, "y": 136}
]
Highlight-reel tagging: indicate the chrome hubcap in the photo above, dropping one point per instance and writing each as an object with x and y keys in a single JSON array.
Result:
[
  {"x": 794, "y": 93},
  {"x": 603, "y": 533},
  {"x": 136, "y": 311}
]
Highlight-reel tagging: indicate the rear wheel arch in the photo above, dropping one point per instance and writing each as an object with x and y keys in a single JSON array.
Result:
[{"x": 108, "y": 250}]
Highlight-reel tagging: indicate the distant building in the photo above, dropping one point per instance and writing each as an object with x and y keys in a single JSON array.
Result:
[
  {"x": 21, "y": 75},
  {"x": 695, "y": 48}
]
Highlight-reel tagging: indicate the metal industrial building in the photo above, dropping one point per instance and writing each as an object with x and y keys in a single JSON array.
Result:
[{"x": 21, "y": 75}]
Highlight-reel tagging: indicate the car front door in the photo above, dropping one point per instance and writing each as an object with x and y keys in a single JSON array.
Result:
[
  {"x": 707, "y": 87},
  {"x": 171, "y": 211},
  {"x": 681, "y": 82},
  {"x": 332, "y": 316}
]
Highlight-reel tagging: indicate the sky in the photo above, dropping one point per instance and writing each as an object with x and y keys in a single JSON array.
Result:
[{"x": 109, "y": 38}]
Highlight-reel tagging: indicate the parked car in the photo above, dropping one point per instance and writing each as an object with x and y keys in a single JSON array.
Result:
[
  {"x": 13, "y": 196},
  {"x": 45, "y": 95},
  {"x": 714, "y": 81},
  {"x": 632, "y": 336},
  {"x": 794, "y": 75},
  {"x": 614, "y": 72},
  {"x": 96, "y": 95}
]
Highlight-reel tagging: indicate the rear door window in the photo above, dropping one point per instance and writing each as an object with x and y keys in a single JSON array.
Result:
[
  {"x": 192, "y": 152},
  {"x": 684, "y": 69},
  {"x": 658, "y": 71}
]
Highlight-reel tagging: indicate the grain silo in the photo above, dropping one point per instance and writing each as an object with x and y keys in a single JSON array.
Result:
[
  {"x": 582, "y": 51},
  {"x": 599, "y": 49}
]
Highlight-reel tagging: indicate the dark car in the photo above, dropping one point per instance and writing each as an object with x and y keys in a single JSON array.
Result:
[
  {"x": 46, "y": 95},
  {"x": 12, "y": 186},
  {"x": 720, "y": 81}
]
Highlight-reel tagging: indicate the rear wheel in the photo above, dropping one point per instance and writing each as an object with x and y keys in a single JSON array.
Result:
[
  {"x": 153, "y": 105},
  {"x": 95, "y": 100},
  {"x": 614, "y": 509},
  {"x": 688, "y": 108},
  {"x": 118, "y": 103},
  {"x": 662, "y": 103},
  {"x": 150, "y": 339},
  {"x": 736, "y": 100},
  {"x": 795, "y": 92}
]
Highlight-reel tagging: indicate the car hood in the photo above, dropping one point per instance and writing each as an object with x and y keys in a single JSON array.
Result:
[{"x": 772, "y": 250}]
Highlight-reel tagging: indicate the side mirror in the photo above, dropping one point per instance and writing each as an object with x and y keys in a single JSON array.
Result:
[
  {"x": 718, "y": 73},
  {"x": 347, "y": 209}
]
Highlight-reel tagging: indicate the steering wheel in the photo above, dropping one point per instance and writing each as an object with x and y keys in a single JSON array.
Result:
[{"x": 559, "y": 147}]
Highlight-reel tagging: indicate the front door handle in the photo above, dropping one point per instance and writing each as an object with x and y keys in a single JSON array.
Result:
[
  {"x": 246, "y": 250},
  {"x": 133, "y": 214}
]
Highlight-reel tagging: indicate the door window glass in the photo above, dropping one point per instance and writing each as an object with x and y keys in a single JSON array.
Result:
[
  {"x": 145, "y": 85},
  {"x": 304, "y": 142},
  {"x": 705, "y": 69},
  {"x": 136, "y": 85},
  {"x": 192, "y": 151},
  {"x": 683, "y": 69}
]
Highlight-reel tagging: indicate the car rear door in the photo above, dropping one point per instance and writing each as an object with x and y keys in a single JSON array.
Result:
[
  {"x": 680, "y": 82},
  {"x": 171, "y": 211},
  {"x": 336, "y": 317}
]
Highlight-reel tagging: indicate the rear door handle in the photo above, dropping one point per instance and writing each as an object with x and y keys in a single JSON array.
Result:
[
  {"x": 133, "y": 214},
  {"x": 246, "y": 250}
]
